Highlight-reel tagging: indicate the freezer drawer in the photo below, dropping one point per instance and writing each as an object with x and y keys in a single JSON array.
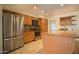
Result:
[
  {"x": 20, "y": 41},
  {"x": 15, "y": 43},
  {"x": 8, "y": 46}
]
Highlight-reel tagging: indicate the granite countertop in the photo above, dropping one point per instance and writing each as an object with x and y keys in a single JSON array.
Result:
[{"x": 63, "y": 34}]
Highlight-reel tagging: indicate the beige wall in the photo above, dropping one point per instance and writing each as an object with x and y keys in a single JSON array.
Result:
[
  {"x": 1, "y": 41},
  {"x": 57, "y": 19},
  {"x": 67, "y": 8}
]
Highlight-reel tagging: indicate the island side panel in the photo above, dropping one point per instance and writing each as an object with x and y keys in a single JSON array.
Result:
[{"x": 54, "y": 44}]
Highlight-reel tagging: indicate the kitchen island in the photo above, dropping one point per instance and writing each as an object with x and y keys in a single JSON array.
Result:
[{"x": 58, "y": 42}]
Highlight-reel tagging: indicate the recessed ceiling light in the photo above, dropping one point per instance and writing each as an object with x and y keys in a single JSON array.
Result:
[
  {"x": 35, "y": 7},
  {"x": 42, "y": 11},
  {"x": 61, "y": 5}
]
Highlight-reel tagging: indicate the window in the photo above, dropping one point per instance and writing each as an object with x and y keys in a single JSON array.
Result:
[{"x": 53, "y": 27}]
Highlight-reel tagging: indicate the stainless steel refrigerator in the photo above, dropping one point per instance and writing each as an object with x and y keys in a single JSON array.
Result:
[{"x": 12, "y": 31}]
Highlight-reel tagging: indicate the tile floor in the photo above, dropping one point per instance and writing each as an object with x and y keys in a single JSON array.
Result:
[
  {"x": 35, "y": 47},
  {"x": 29, "y": 48}
]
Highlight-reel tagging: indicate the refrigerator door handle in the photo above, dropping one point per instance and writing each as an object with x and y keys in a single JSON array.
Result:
[
  {"x": 7, "y": 39},
  {"x": 14, "y": 38}
]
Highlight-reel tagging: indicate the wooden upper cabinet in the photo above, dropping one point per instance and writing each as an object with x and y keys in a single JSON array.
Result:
[
  {"x": 65, "y": 21},
  {"x": 45, "y": 26},
  {"x": 28, "y": 20},
  {"x": 43, "y": 23}
]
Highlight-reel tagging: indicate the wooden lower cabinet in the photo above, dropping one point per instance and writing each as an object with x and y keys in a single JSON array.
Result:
[
  {"x": 57, "y": 44},
  {"x": 29, "y": 36}
]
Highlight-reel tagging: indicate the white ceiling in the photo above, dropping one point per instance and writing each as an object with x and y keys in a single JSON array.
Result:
[{"x": 51, "y": 9}]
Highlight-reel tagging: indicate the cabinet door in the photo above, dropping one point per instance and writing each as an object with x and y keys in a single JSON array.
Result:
[
  {"x": 40, "y": 24},
  {"x": 68, "y": 20},
  {"x": 44, "y": 25},
  {"x": 28, "y": 36},
  {"x": 65, "y": 21},
  {"x": 62, "y": 21},
  {"x": 28, "y": 20},
  {"x": 44, "y": 28}
]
